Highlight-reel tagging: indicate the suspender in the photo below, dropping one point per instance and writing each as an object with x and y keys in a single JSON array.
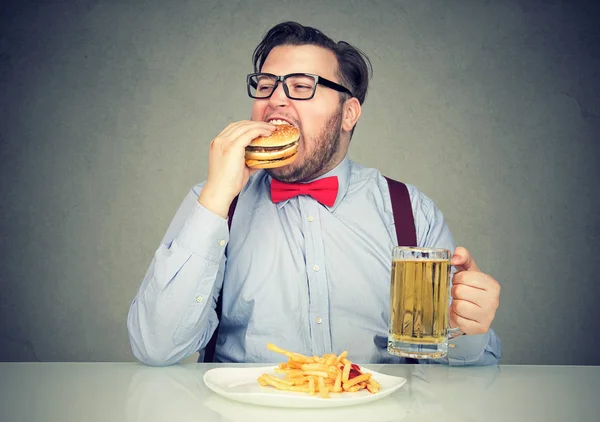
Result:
[
  {"x": 403, "y": 215},
  {"x": 405, "y": 233}
]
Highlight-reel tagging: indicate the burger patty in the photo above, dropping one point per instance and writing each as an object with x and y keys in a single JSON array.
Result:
[{"x": 267, "y": 149}]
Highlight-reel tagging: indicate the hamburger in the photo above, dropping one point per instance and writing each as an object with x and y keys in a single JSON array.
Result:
[{"x": 277, "y": 150}]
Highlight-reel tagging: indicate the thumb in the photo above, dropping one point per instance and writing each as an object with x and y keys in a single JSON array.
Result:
[{"x": 463, "y": 261}]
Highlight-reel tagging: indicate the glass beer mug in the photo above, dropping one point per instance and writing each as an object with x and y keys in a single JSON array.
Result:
[{"x": 419, "y": 300}]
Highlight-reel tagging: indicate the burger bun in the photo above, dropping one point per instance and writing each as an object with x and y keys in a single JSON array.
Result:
[{"x": 277, "y": 150}]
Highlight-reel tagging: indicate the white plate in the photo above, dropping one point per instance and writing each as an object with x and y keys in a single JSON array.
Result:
[{"x": 241, "y": 384}]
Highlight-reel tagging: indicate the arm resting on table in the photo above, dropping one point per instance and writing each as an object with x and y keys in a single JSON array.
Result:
[{"x": 173, "y": 314}]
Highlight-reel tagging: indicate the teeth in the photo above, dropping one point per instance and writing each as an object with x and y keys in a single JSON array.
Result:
[{"x": 278, "y": 122}]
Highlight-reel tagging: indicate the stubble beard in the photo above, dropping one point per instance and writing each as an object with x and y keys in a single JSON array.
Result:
[{"x": 320, "y": 160}]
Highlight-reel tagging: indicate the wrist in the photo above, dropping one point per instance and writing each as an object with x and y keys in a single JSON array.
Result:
[
  {"x": 457, "y": 332},
  {"x": 214, "y": 201}
]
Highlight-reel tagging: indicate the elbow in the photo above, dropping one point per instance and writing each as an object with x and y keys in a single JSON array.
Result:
[
  {"x": 156, "y": 344},
  {"x": 159, "y": 351},
  {"x": 153, "y": 351},
  {"x": 154, "y": 357},
  {"x": 147, "y": 347},
  {"x": 161, "y": 354}
]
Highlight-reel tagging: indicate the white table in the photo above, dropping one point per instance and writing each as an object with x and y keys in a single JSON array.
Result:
[{"x": 132, "y": 392}]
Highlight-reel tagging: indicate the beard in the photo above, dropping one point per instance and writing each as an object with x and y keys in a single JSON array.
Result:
[{"x": 319, "y": 160}]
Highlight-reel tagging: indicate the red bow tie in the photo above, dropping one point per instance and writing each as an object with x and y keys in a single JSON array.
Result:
[{"x": 323, "y": 190}]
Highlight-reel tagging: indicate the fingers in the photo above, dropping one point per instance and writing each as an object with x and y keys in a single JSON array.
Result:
[
  {"x": 462, "y": 260},
  {"x": 234, "y": 129},
  {"x": 469, "y": 326},
  {"x": 467, "y": 310},
  {"x": 474, "y": 309},
  {"x": 477, "y": 280},
  {"x": 477, "y": 288},
  {"x": 471, "y": 318},
  {"x": 474, "y": 295},
  {"x": 242, "y": 133},
  {"x": 244, "y": 138}
]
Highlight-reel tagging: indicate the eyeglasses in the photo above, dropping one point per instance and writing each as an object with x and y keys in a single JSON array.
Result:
[{"x": 297, "y": 86}]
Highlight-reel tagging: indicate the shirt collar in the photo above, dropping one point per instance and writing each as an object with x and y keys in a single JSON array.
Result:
[{"x": 342, "y": 171}]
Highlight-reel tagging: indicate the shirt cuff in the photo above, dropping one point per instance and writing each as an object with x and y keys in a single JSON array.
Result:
[
  {"x": 204, "y": 233},
  {"x": 467, "y": 349}
]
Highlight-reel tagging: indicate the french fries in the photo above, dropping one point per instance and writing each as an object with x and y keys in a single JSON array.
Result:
[{"x": 318, "y": 376}]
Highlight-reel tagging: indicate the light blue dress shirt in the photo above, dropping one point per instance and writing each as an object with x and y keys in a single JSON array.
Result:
[{"x": 309, "y": 278}]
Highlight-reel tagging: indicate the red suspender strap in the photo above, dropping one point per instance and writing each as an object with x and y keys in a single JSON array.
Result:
[
  {"x": 403, "y": 214},
  {"x": 209, "y": 351}
]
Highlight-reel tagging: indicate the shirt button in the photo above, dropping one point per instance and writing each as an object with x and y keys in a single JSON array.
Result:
[
  {"x": 222, "y": 242},
  {"x": 310, "y": 218},
  {"x": 319, "y": 320},
  {"x": 316, "y": 267},
  {"x": 199, "y": 299}
]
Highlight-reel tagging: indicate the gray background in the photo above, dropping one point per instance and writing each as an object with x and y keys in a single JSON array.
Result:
[{"x": 107, "y": 109}]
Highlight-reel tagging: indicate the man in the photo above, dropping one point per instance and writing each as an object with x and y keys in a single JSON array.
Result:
[{"x": 309, "y": 277}]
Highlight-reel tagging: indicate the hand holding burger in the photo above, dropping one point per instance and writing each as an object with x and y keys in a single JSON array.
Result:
[{"x": 227, "y": 171}]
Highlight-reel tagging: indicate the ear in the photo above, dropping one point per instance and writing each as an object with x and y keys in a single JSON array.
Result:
[{"x": 351, "y": 114}]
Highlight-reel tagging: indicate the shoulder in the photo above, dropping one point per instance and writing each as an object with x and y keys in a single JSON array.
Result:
[
  {"x": 428, "y": 218},
  {"x": 361, "y": 176},
  {"x": 430, "y": 225},
  {"x": 422, "y": 204}
]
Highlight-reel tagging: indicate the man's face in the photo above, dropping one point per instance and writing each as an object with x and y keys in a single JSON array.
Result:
[{"x": 319, "y": 119}]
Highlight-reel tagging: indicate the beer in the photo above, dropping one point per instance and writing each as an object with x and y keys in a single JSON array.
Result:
[{"x": 419, "y": 297}]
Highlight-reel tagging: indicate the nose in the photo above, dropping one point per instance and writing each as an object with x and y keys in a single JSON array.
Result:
[{"x": 278, "y": 98}]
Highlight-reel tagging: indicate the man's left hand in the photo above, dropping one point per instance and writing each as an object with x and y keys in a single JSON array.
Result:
[{"x": 475, "y": 295}]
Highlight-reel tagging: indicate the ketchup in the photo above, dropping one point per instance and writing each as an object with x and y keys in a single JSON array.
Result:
[{"x": 354, "y": 371}]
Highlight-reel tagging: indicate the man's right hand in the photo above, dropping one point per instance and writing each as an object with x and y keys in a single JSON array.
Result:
[{"x": 227, "y": 170}]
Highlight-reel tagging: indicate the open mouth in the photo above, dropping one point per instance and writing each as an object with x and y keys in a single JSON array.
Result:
[{"x": 278, "y": 122}]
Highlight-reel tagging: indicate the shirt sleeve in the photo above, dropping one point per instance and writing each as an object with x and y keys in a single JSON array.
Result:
[
  {"x": 173, "y": 313},
  {"x": 432, "y": 231}
]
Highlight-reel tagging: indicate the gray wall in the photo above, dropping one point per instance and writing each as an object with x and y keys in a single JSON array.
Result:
[{"x": 490, "y": 107}]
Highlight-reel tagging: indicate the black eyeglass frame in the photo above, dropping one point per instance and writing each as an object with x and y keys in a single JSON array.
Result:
[{"x": 319, "y": 80}]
